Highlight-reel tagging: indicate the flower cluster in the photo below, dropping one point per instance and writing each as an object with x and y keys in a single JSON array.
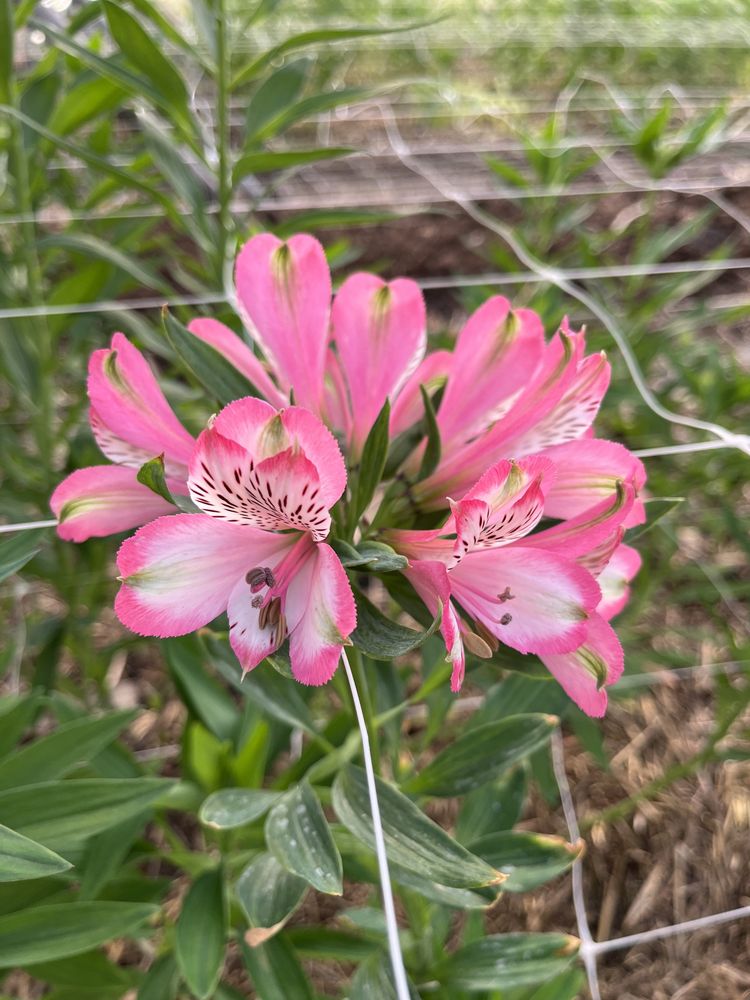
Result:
[{"x": 512, "y": 530}]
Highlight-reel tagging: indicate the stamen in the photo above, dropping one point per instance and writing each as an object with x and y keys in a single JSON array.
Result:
[
  {"x": 260, "y": 577},
  {"x": 506, "y": 596},
  {"x": 257, "y": 602},
  {"x": 487, "y": 636},
  {"x": 280, "y": 633},
  {"x": 506, "y": 619},
  {"x": 476, "y": 645}
]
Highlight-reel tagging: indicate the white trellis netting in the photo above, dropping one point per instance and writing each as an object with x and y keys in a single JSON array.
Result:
[{"x": 433, "y": 184}]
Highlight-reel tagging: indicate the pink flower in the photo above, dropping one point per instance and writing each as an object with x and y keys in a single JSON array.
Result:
[
  {"x": 536, "y": 593},
  {"x": 132, "y": 422},
  {"x": 265, "y": 481}
]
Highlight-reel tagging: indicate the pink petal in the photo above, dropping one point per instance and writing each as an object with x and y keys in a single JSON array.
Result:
[
  {"x": 536, "y": 602},
  {"x": 127, "y": 400},
  {"x": 496, "y": 353},
  {"x": 584, "y": 672},
  {"x": 504, "y": 505},
  {"x": 432, "y": 545},
  {"x": 408, "y": 408},
  {"x": 284, "y": 292},
  {"x": 336, "y": 406},
  {"x": 582, "y": 534},
  {"x": 614, "y": 580},
  {"x": 587, "y": 472},
  {"x": 179, "y": 571},
  {"x": 279, "y": 492},
  {"x": 103, "y": 500},
  {"x": 236, "y": 351},
  {"x": 320, "y": 614},
  {"x": 380, "y": 334},
  {"x": 250, "y": 643},
  {"x": 264, "y": 432},
  {"x": 431, "y": 582}
]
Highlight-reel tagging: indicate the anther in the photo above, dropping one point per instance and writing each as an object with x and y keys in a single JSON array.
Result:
[
  {"x": 257, "y": 601},
  {"x": 256, "y": 578},
  {"x": 506, "y": 619},
  {"x": 487, "y": 636},
  {"x": 506, "y": 596}
]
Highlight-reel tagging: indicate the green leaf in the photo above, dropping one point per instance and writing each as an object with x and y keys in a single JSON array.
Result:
[
  {"x": 69, "y": 746},
  {"x": 92, "y": 246},
  {"x": 212, "y": 370},
  {"x": 275, "y": 970},
  {"x": 308, "y": 107},
  {"x": 90, "y": 970},
  {"x": 21, "y": 858},
  {"x": 481, "y": 754},
  {"x": 151, "y": 474},
  {"x": 15, "y": 552},
  {"x": 298, "y": 835},
  {"x": 54, "y": 812},
  {"x": 268, "y": 894},
  {"x": 431, "y": 457},
  {"x": 15, "y": 715},
  {"x": 44, "y": 933},
  {"x": 273, "y": 96},
  {"x": 230, "y": 808},
  {"x": 657, "y": 508},
  {"x": 200, "y": 934},
  {"x": 143, "y": 52},
  {"x": 206, "y": 699},
  {"x": 329, "y": 942},
  {"x": 381, "y": 638},
  {"x": 373, "y": 980},
  {"x": 567, "y": 986},
  {"x": 376, "y": 556},
  {"x": 528, "y": 859},
  {"x": 7, "y": 35},
  {"x": 507, "y": 961},
  {"x": 265, "y": 160},
  {"x": 371, "y": 464},
  {"x": 82, "y": 102},
  {"x": 106, "y": 853},
  {"x": 162, "y": 979},
  {"x": 411, "y": 839},
  {"x": 492, "y": 807}
]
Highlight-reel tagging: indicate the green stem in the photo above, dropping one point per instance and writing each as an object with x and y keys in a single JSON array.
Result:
[
  {"x": 223, "y": 136},
  {"x": 360, "y": 679}
]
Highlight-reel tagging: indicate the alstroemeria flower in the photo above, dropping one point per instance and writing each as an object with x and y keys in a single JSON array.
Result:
[
  {"x": 265, "y": 481},
  {"x": 132, "y": 422},
  {"x": 533, "y": 592}
]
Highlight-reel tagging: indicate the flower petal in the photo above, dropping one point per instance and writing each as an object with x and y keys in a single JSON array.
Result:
[
  {"x": 284, "y": 293},
  {"x": 179, "y": 571},
  {"x": 504, "y": 505},
  {"x": 585, "y": 672},
  {"x": 236, "y": 351},
  {"x": 321, "y": 614},
  {"x": 103, "y": 500},
  {"x": 264, "y": 432},
  {"x": 250, "y": 642},
  {"x": 496, "y": 353},
  {"x": 534, "y": 601},
  {"x": 408, "y": 408},
  {"x": 588, "y": 470},
  {"x": 577, "y": 536},
  {"x": 279, "y": 492},
  {"x": 615, "y": 579},
  {"x": 380, "y": 334},
  {"x": 126, "y": 399},
  {"x": 431, "y": 582}
]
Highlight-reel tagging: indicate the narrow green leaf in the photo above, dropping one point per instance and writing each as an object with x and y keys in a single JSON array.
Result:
[
  {"x": 493, "y": 807},
  {"x": 7, "y": 35},
  {"x": 308, "y": 107},
  {"x": 212, "y": 370},
  {"x": 376, "y": 556},
  {"x": 411, "y": 839},
  {"x": 200, "y": 934},
  {"x": 373, "y": 980},
  {"x": 16, "y": 551},
  {"x": 275, "y": 970},
  {"x": 371, "y": 464},
  {"x": 202, "y": 694},
  {"x": 16, "y": 715},
  {"x": 162, "y": 979},
  {"x": 276, "y": 93},
  {"x": 481, "y": 754},
  {"x": 90, "y": 970},
  {"x": 151, "y": 474},
  {"x": 105, "y": 854},
  {"x": 68, "y": 747},
  {"x": 528, "y": 859},
  {"x": 567, "y": 986},
  {"x": 298, "y": 836},
  {"x": 230, "y": 808},
  {"x": 82, "y": 102},
  {"x": 21, "y": 858},
  {"x": 265, "y": 160},
  {"x": 143, "y": 52},
  {"x": 268, "y": 895},
  {"x": 507, "y": 961},
  {"x": 431, "y": 457},
  {"x": 55, "y": 812},
  {"x": 44, "y": 933},
  {"x": 331, "y": 943},
  {"x": 382, "y": 638},
  {"x": 656, "y": 509}
]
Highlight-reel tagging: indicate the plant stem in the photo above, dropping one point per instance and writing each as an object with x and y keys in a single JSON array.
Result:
[
  {"x": 223, "y": 136},
  {"x": 394, "y": 945},
  {"x": 368, "y": 709}
]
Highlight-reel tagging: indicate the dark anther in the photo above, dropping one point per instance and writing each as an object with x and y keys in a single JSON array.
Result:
[
  {"x": 506, "y": 595},
  {"x": 259, "y": 578},
  {"x": 506, "y": 619},
  {"x": 257, "y": 601}
]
